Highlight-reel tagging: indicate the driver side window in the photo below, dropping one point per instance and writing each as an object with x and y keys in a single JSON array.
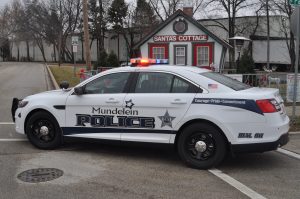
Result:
[{"x": 112, "y": 83}]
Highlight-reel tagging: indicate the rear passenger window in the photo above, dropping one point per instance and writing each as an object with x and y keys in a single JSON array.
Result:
[
  {"x": 154, "y": 83},
  {"x": 180, "y": 86},
  {"x": 163, "y": 83}
]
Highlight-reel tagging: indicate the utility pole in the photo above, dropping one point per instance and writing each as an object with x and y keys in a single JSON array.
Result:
[
  {"x": 86, "y": 35},
  {"x": 268, "y": 36},
  {"x": 60, "y": 34}
]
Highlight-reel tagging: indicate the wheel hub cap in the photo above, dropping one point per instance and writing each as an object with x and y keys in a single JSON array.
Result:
[
  {"x": 200, "y": 146},
  {"x": 44, "y": 130}
]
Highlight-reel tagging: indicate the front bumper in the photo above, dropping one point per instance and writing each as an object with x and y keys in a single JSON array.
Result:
[{"x": 260, "y": 147}]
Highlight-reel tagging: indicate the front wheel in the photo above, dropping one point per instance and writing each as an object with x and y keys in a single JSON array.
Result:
[
  {"x": 43, "y": 131},
  {"x": 201, "y": 146}
]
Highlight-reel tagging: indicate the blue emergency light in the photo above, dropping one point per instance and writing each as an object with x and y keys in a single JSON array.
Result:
[{"x": 147, "y": 62}]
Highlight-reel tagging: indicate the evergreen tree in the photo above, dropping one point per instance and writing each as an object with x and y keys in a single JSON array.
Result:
[
  {"x": 98, "y": 24},
  {"x": 112, "y": 60},
  {"x": 102, "y": 62},
  {"x": 144, "y": 18},
  {"x": 246, "y": 64},
  {"x": 117, "y": 14}
]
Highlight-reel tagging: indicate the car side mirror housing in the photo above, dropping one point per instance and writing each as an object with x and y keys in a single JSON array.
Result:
[
  {"x": 78, "y": 90},
  {"x": 64, "y": 85}
]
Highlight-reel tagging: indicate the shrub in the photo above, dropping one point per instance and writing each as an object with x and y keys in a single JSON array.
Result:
[
  {"x": 246, "y": 64},
  {"x": 112, "y": 60},
  {"x": 102, "y": 62}
]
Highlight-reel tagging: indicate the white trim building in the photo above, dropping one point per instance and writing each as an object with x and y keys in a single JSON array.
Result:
[{"x": 184, "y": 41}]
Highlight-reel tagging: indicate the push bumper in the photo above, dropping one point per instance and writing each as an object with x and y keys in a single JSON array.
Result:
[
  {"x": 14, "y": 108},
  {"x": 260, "y": 147}
]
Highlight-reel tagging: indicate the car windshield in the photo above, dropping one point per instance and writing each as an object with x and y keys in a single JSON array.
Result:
[{"x": 227, "y": 81}]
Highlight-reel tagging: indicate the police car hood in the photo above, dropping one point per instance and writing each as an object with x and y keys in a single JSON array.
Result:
[{"x": 59, "y": 95}]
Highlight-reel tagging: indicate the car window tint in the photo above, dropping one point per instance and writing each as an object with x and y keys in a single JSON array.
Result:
[
  {"x": 113, "y": 83},
  {"x": 226, "y": 81},
  {"x": 154, "y": 83},
  {"x": 181, "y": 86}
]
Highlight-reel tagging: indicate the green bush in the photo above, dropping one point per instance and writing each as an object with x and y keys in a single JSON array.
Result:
[
  {"x": 112, "y": 60},
  {"x": 246, "y": 64},
  {"x": 102, "y": 62}
]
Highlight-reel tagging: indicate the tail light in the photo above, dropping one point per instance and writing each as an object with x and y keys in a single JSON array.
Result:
[{"x": 268, "y": 105}]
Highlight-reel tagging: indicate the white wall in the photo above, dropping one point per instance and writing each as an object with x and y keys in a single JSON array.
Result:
[
  {"x": 34, "y": 51},
  {"x": 278, "y": 52}
]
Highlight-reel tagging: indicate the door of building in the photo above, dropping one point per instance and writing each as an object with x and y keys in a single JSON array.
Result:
[{"x": 180, "y": 55}]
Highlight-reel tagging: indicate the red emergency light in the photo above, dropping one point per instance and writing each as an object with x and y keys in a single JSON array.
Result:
[{"x": 142, "y": 62}]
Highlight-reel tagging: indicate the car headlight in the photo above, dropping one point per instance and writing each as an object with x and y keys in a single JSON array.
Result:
[{"x": 22, "y": 104}]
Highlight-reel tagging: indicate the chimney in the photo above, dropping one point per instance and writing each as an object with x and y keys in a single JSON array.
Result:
[{"x": 188, "y": 9}]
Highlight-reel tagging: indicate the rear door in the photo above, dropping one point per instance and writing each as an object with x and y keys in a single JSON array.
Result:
[{"x": 158, "y": 100}]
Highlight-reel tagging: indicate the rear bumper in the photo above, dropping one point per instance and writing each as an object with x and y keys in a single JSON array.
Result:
[{"x": 260, "y": 147}]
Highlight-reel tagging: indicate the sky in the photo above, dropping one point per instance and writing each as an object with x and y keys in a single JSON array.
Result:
[
  {"x": 198, "y": 15},
  {"x": 3, "y": 2}
]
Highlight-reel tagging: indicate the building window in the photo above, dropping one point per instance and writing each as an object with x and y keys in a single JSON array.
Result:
[
  {"x": 203, "y": 56},
  {"x": 180, "y": 55},
  {"x": 158, "y": 52}
]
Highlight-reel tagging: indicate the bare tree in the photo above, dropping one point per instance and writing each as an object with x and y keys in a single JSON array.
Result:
[
  {"x": 284, "y": 8},
  {"x": 232, "y": 9},
  {"x": 165, "y": 8}
]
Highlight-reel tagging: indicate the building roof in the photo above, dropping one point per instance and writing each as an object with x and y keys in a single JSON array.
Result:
[{"x": 188, "y": 18}]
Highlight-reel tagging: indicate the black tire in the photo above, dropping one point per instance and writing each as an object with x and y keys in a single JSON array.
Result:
[
  {"x": 52, "y": 139},
  {"x": 195, "y": 156}
]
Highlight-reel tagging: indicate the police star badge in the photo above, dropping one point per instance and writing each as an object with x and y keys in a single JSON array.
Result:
[
  {"x": 166, "y": 120},
  {"x": 129, "y": 104}
]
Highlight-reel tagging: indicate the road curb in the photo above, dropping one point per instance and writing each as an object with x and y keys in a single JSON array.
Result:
[
  {"x": 294, "y": 133},
  {"x": 52, "y": 77}
]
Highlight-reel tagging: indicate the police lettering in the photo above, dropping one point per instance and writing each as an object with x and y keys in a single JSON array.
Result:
[{"x": 114, "y": 121}]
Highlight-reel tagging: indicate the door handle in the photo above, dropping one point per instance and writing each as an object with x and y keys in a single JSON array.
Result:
[
  {"x": 112, "y": 101},
  {"x": 178, "y": 101}
]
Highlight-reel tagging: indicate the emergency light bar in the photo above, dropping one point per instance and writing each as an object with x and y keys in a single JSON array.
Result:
[{"x": 147, "y": 62}]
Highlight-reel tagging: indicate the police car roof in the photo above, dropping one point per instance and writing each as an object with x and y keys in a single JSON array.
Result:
[{"x": 162, "y": 67}]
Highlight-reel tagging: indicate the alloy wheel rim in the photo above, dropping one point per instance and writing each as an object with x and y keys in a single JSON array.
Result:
[
  {"x": 43, "y": 131},
  {"x": 200, "y": 146}
]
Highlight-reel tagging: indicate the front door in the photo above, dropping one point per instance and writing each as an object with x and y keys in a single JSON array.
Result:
[
  {"x": 180, "y": 55},
  {"x": 160, "y": 100},
  {"x": 97, "y": 113}
]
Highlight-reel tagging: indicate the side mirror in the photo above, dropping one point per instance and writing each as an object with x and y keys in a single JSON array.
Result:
[
  {"x": 78, "y": 90},
  {"x": 64, "y": 85}
]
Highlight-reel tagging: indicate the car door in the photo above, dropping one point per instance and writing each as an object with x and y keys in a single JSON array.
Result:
[
  {"x": 160, "y": 100},
  {"x": 94, "y": 114}
]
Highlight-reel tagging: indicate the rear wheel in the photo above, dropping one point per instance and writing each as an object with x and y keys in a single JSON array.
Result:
[
  {"x": 43, "y": 131},
  {"x": 201, "y": 146}
]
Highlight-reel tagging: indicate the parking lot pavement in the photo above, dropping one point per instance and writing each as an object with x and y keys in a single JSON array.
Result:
[
  {"x": 19, "y": 80},
  {"x": 97, "y": 170},
  {"x": 294, "y": 143}
]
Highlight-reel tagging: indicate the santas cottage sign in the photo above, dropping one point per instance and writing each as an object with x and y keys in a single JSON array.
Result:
[{"x": 179, "y": 38}]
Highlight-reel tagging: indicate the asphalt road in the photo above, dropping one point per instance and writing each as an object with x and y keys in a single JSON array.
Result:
[{"x": 97, "y": 170}]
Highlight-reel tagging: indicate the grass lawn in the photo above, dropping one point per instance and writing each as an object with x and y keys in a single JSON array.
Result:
[{"x": 65, "y": 73}]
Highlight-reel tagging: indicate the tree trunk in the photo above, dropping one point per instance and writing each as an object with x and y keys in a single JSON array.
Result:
[
  {"x": 82, "y": 51},
  {"x": 18, "y": 55},
  {"x": 292, "y": 52},
  {"x": 54, "y": 52},
  {"x": 27, "y": 49},
  {"x": 39, "y": 42}
]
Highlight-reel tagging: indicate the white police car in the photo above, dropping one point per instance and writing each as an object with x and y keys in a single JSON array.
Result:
[{"x": 205, "y": 114}]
